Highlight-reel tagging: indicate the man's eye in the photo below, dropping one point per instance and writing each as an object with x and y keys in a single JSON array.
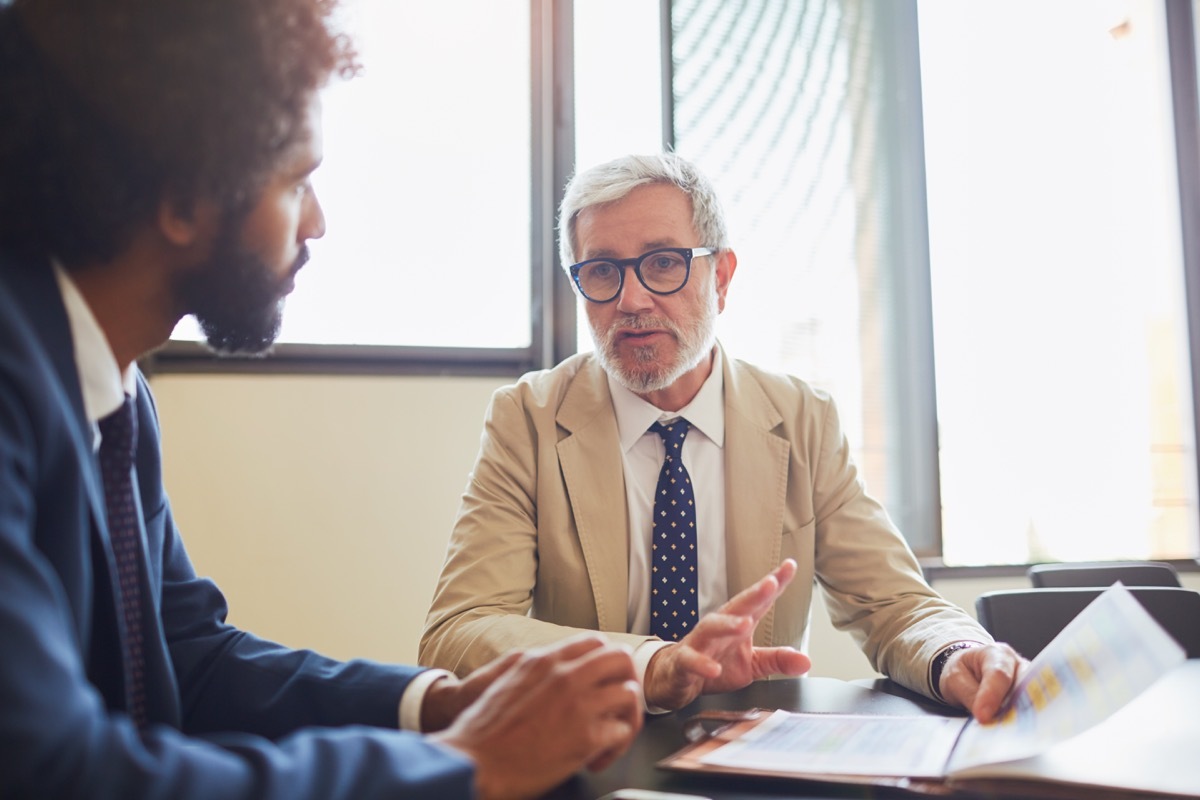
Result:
[{"x": 665, "y": 262}]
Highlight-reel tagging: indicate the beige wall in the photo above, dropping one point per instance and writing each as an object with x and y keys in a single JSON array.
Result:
[{"x": 322, "y": 505}]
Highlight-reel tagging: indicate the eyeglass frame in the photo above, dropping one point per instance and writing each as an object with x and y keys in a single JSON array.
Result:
[{"x": 688, "y": 253}]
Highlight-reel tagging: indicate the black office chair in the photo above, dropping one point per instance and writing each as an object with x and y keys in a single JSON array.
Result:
[
  {"x": 1029, "y": 618},
  {"x": 1104, "y": 573}
]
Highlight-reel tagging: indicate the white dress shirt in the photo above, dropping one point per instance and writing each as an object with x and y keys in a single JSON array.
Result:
[
  {"x": 103, "y": 384},
  {"x": 642, "y": 454}
]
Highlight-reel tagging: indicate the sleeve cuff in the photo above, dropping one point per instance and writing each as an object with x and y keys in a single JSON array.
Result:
[
  {"x": 414, "y": 697},
  {"x": 641, "y": 660}
]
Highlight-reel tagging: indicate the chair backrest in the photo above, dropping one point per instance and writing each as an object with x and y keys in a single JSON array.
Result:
[
  {"x": 1029, "y": 618},
  {"x": 1104, "y": 573}
]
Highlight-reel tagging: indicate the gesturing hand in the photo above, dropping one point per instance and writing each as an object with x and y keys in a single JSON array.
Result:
[
  {"x": 719, "y": 654},
  {"x": 547, "y": 713}
]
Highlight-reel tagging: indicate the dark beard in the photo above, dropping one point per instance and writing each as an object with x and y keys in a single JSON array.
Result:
[{"x": 235, "y": 298}]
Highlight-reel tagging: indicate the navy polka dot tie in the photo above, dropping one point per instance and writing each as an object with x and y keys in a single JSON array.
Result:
[
  {"x": 118, "y": 439},
  {"x": 673, "y": 596}
]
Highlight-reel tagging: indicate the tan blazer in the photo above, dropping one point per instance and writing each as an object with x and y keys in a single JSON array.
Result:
[{"x": 541, "y": 545}]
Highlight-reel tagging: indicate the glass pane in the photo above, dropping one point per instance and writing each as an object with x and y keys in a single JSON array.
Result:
[
  {"x": 618, "y": 89},
  {"x": 426, "y": 183},
  {"x": 1064, "y": 404},
  {"x": 618, "y": 79},
  {"x": 780, "y": 102}
]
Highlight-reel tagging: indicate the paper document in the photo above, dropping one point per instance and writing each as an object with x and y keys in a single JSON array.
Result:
[
  {"x": 1108, "y": 655},
  {"x": 1104, "y": 658},
  {"x": 844, "y": 744}
]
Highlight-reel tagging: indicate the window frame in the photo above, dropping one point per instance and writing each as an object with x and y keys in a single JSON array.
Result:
[
  {"x": 552, "y": 319},
  {"x": 1185, "y": 99}
]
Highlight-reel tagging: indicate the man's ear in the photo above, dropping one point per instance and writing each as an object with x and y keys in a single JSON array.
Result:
[
  {"x": 726, "y": 266},
  {"x": 186, "y": 224}
]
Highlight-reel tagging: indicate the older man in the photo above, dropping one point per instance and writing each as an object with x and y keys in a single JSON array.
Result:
[{"x": 642, "y": 490}]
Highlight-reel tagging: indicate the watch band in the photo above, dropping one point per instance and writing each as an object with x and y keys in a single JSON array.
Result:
[{"x": 939, "y": 663}]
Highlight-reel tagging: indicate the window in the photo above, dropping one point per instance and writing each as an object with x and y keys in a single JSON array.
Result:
[
  {"x": 1013, "y": 370},
  {"x": 789, "y": 107},
  {"x": 1060, "y": 328},
  {"x": 618, "y": 92},
  {"x": 426, "y": 185}
]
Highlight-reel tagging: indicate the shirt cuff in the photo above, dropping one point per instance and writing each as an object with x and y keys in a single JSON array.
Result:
[
  {"x": 641, "y": 660},
  {"x": 414, "y": 697}
]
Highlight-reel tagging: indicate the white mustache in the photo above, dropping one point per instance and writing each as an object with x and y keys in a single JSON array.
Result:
[{"x": 636, "y": 322}]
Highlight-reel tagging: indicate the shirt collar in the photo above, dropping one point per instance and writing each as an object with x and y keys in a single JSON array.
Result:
[
  {"x": 706, "y": 411},
  {"x": 104, "y": 386}
]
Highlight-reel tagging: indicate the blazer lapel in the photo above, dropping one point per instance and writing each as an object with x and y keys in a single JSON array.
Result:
[
  {"x": 38, "y": 289},
  {"x": 41, "y": 291},
  {"x": 590, "y": 458},
  {"x": 756, "y": 463}
]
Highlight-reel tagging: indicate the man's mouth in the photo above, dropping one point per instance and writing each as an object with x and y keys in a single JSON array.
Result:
[
  {"x": 639, "y": 335},
  {"x": 301, "y": 260},
  {"x": 289, "y": 282}
]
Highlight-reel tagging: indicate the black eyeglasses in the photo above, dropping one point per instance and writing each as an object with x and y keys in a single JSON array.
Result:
[{"x": 662, "y": 271}]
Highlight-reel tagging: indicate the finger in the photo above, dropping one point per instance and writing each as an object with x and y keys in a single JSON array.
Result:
[
  {"x": 769, "y": 661},
  {"x": 617, "y": 703},
  {"x": 785, "y": 572},
  {"x": 998, "y": 673},
  {"x": 608, "y": 664},
  {"x": 634, "y": 719},
  {"x": 573, "y": 647},
  {"x": 604, "y": 760},
  {"x": 621, "y": 700},
  {"x": 611, "y": 738},
  {"x": 753, "y": 601},
  {"x": 688, "y": 662},
  {"x": 494, "y": 668},
  {"x": 714, "y": 628}
]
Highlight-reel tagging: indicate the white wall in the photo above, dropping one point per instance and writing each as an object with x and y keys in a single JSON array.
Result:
[{"x": 322, "y": 505}]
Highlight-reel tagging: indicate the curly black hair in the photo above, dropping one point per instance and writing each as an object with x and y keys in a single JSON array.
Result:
[{"x": 111, "y": 107}]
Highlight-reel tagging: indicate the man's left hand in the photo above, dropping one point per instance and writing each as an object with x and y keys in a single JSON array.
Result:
[
  {"x": 979, "y": 678},
  {"x": 719, "y": 655}
]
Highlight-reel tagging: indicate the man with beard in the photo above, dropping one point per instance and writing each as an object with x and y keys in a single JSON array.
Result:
[
  {"x": 591, "y": 507},
  {"x": 155, "y": 158}
]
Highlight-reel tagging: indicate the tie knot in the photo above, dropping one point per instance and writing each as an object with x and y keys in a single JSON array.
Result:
[
  {"x": 118, "y": 434},
  {"x": 673, "y": 433}
]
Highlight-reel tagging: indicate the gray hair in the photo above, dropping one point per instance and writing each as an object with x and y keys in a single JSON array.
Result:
[{"x": 613, "y": 180}]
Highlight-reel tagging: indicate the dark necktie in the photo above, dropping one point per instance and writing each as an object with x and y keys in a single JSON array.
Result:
[
  {"x": 118, "y": 439},
  {"x": 674, "y": 599}
]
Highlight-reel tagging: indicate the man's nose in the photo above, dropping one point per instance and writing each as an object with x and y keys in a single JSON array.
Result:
[
  {"x": 313, "y": 223},
  {"x": 634, "y": 296}
]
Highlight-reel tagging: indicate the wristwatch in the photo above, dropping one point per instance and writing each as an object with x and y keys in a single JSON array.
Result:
[{"x": 939, "y": 663}]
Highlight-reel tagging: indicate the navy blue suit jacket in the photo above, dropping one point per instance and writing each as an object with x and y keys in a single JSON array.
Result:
[{"x": 232, "y": 716}]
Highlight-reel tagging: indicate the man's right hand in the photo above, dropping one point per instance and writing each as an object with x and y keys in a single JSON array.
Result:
[{"x": 547, "y": 713}]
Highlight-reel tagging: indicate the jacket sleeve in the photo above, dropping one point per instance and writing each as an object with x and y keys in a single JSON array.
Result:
[
  {"x": 872, "y": 582},
  {"x": 482, "y": 604},
  {"x": 58, "y": 738}
]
